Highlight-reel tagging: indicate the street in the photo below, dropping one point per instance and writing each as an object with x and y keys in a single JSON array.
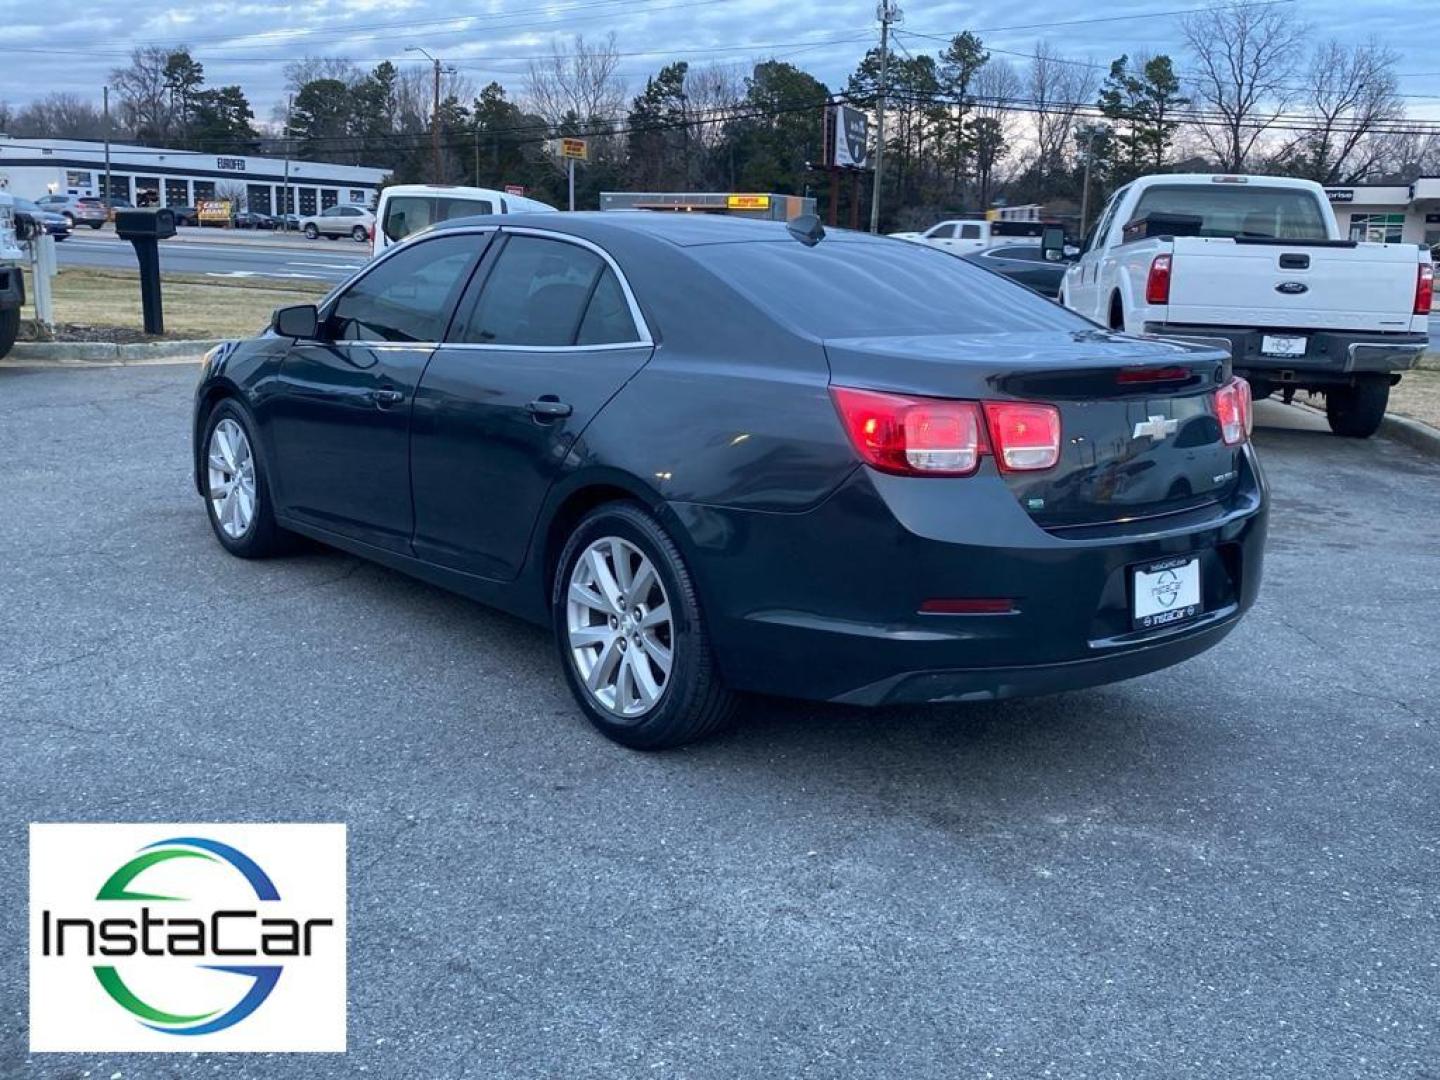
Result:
[
  {"x": 1225, "y": 869},
  {"x": 223, "y": 254}
]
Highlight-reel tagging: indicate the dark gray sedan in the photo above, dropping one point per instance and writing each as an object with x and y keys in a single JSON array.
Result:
[
  {"x": 1024, "y": 264},
  {"x": 717, "y": 455}
]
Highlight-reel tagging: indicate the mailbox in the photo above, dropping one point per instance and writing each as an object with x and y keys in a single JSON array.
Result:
[{"x": 144, "y": 224}]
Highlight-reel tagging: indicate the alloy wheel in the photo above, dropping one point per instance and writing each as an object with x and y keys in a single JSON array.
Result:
[
  {"x": 620, "y": 627},
  {"x": 231, "y": 469}
]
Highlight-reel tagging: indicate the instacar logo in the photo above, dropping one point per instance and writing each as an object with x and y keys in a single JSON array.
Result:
[{"x": 184, "y": 943}]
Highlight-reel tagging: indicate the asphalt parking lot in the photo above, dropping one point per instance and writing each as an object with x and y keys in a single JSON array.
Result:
[{"x": 1227, "y": 869}]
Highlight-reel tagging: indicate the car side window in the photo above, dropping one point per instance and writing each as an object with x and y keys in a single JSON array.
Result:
[
  {"x": 607, "y": 319},
  {"x": 409, "y": 296},
  {"x": 970, "y": 232},
  {"x": 942, "y": 232},
  {"x": 537, "y": 294}
]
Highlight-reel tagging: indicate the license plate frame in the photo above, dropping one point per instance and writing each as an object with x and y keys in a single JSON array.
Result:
[
  {"x": 1166, "y": 593},
  {"x": 1288, "y": 346}
]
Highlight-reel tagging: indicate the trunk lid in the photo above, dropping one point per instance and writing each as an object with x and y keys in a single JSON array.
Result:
[
  {"x": 1332, "y": 285},
  {"x": 1130, "y": 447}
]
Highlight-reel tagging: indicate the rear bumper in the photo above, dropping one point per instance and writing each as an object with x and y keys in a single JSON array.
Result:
[
  {"x": 825, "y": 604},
  {"x": 12, "y": 287},
  {"x": 1330, "y": 355}
]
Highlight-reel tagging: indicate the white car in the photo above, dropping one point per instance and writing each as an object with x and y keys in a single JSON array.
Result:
[
  {"x": 353, "y": 221},
  {"x": 1259, "y": 265}
]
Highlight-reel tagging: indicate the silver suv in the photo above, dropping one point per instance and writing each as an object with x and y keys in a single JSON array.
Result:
[
  {"x": 352, "y": 221},
  {"x": 76, "y": 209}
]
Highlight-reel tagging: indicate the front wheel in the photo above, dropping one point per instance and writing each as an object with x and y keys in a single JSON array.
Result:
[
  {"x": 359, "y": 235},
  {"x": 237, "y": 491},
  {"x": 97, "y": 224},
  {"x": 311, "y": 232},
  {"x": 1356, "y": 411},
  {"x": 630, "y": 634}
]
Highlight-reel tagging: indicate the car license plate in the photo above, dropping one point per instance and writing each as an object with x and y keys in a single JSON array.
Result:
[
  {"x": 1166, "y": 592},
  {"x": 1274, "y": 345}
]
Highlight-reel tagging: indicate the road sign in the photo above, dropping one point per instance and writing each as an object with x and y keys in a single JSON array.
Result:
[
  {"x": 515, "y": 189},
  {"x": 578, "y": 149},
  {"x": 216, "y": 210}
]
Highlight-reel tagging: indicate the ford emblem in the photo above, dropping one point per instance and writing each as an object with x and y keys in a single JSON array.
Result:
[{"x": 1292, "y": 288}]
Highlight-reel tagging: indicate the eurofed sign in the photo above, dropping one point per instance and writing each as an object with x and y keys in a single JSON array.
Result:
[{"x": 187, "y": 938}]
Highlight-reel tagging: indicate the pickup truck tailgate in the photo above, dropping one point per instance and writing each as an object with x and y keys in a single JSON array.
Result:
[{"x": 1302, "y": 285}]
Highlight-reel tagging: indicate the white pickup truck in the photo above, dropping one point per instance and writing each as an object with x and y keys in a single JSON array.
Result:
[
  {"x": 1259, "y": 263},
  {"x": 12, "y": 281},
  {"x": 962, "y": 236}
]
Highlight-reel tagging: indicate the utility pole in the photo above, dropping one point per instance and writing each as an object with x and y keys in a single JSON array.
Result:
[
  {"x": 285, "y": 208},
  {"x": 1090, "y": 132},
  {"x": 440, "y": 69},
  {"x": 887, "y": 11},
  {"x": 109, "y": 191}
]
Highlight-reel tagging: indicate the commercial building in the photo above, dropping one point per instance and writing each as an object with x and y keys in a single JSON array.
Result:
[
  {"x": 1390, "y": 213},
  {"x": 770, "y": 207},
  {"x": 150, "y": 176}
]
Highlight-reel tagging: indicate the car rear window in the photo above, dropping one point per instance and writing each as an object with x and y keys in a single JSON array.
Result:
[
  {"x": 406, "y": 214},
  {"x": 1231, "y": 210},
  {"x": 854, "y": 288},
  {"x": 89, "y": 202}
]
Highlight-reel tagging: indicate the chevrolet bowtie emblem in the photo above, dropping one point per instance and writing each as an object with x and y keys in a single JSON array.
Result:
[{"x": 1155, "y": 427}]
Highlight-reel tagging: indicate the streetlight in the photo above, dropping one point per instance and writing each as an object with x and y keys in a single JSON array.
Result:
[{"x": 435, "y": 113}]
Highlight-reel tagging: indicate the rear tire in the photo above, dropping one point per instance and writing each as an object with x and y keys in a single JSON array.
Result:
[
  {"x": 359, "y": 235},
  {"x": 1356, "y": 411},
  {"x": 311, "y": 232},
  {"x": 692, "y": 700},
  {"x": 9, "y": 329}
]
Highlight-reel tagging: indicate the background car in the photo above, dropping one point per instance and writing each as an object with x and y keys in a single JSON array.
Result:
[
  {"x": 185, "y": 215},
  {"x": 253, "y": 219},
  {"x": 337, "y": 221},
  {"x": 1023, "y": 263},
  {"x": 77, "y": 209},
  {"x": 56, "y": 225},
  {"x": 857, "y": 470}
]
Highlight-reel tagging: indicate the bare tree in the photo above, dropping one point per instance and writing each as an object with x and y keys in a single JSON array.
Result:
[
  {"x": 59, "y": 116},
  {"x": 1351, "y": 92},
  {"x": 1244, "y": 65},
  {"x": 994, "y": 123},
  {"x": 577, "y": 83},
  {"x": 309, "y": 68},
  {"x": 147, "y": 107},
  {"x": 1059, "y": 88}
]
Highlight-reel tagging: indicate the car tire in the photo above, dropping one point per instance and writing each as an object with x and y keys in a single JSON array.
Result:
[
  {"x": 311, "y": 232},
  {"x": 689, "y": 700},
  {"x": 9, "y": 329},
  {"x": 97, "y": 225},
  {"x": 258, "y": 536},
  {"x": 359, "y": 234},
  {"x": 1356, "y": 411},
  {"x": 331, "y": 236}
]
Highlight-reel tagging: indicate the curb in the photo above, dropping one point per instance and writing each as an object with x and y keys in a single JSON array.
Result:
[
  {"x": 1413, "y": 433},
  {"x": 103, "y": 353}
]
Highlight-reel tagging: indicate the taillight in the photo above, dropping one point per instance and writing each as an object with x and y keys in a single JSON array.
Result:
[
  {"x": 1233, "y": 410},
  {"x": 917, "y": 436},
  {"x": 1026, "y": 436},
  {"x": 1157, "y": 282},
  {"x": 1425, "y": 289}
]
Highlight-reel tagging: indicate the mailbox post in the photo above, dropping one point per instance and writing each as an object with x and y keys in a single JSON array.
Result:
[{"x": 145, "y": 229}]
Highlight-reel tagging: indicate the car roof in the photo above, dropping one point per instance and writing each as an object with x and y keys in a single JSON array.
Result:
[{"x": 681, "y": 229}]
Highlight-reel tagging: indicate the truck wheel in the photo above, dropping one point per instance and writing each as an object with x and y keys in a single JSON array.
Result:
[
  {"x": 1117, "y": 315},
  {"x": 1356, "y": 411},
  {"x": 9, "y": 329}
]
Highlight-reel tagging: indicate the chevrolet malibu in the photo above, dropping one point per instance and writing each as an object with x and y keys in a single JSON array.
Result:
[{"x": 718, "y": 456}]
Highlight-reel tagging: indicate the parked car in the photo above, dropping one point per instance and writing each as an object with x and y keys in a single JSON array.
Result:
[
  {"x": 119, "y": 202},
  {"x": 963, "y": 236},
  {"x": 407, "y": 208},
  {"x": 56, "y": 225},
  {"x": 289, "y": 222},
  {"x": 12, "y": 276},
  {"x": 716, "y": 454},
  {"x": 76, "y": 209},
  {"x": 1025, "y": 264},
  {"x": 253, "y": 219},
  {"x": 185, "y": 215},
  {"x": 352, "y": 221},
  {"x": 1258, "y": 264}
]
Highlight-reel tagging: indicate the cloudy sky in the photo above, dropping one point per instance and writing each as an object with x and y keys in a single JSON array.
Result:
[{"x": 71, "y": 45}]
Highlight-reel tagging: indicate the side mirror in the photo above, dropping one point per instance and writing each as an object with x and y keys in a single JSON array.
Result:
[
  {"x": 299, "y": 321},
  {"x": 1052, "y": 243}
]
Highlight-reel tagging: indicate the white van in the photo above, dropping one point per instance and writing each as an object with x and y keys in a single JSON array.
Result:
[{"x": 408, "y": 208}]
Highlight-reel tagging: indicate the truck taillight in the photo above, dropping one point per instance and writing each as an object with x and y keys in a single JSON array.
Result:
[
  {"x": 1157, "y": 282},
  {"x": 1233, "y": 409},
  {"x": 912, "y": 436},
  {"x": 1425, "y": 289}
]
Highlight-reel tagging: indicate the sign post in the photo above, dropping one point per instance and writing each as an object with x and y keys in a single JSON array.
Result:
[{"x": 573, "y": 150}]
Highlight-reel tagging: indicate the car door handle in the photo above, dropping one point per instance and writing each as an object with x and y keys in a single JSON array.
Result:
[
  {"x": 386, "y": 398},
  {"x": 549, "y": 407}
]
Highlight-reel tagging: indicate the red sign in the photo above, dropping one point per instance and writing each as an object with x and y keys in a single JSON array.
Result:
[{"x": 515, "y": 189}]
